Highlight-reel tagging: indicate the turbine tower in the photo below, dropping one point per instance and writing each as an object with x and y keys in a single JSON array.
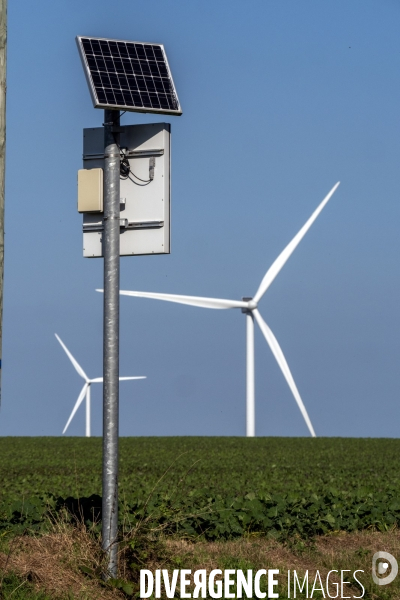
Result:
[
  {"x": 85, "y": 391},
  {"x": 249, "y": 307}
]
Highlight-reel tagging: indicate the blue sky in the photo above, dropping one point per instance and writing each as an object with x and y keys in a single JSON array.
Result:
[{"x": 280, "y": 100}]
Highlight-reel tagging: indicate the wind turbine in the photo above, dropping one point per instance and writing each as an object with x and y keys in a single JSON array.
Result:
[
  {"x": 85, "y": 391},
  {"x": 249, "y": 308}
]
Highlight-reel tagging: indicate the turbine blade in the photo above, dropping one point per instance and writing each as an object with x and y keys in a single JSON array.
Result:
[
  {"x": 97, "y": 380},
  {"x": 77, "y": 405},
  {"x": 284, "y": 255},
  {"x": 77, "y": 366},
  {"x": 281, "y": 360},
  {"x": 190, "y": 300}
]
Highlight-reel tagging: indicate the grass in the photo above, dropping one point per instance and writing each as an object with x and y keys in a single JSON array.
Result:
[
  {"x": 19, "y": 588},
  {"x": 341, "y": 551},
  {"x": 54, "y": 564},
  {"x": 64, "y": 563}
]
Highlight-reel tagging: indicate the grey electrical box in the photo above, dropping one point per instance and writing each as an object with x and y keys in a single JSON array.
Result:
[
  {"x": 90, "y": 190},
  {"x": 144, "y": 191}
]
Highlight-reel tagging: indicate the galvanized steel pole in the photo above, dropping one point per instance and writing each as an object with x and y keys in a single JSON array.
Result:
[
  {"x": 111, "y": 191},
  {"x": 3, "y": 64}
]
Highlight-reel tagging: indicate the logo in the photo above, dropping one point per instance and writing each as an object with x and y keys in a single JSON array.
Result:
[{"x": 381, "y": 561}]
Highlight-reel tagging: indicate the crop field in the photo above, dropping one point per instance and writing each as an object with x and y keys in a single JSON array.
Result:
[
  {"x": 214, "y": 487},
  {"x": 72, "y": 466},
  {"x": 227, "y": 466}
]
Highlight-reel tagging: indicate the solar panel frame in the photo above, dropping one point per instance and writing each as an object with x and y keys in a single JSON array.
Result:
[{"x": 117, "y": 72}]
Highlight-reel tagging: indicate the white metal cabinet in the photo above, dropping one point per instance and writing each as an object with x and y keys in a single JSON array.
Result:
[{"x": 145, "y": 203}]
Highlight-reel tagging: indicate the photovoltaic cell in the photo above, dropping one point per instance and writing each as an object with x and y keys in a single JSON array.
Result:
[{"x": 128, "y": 75}]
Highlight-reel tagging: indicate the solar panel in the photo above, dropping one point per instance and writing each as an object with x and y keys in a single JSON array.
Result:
[{"x": 131, "y": 76}]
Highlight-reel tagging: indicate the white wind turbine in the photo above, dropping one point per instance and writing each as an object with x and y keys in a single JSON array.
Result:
[
  {"x": 85, "y": 391},
  {"x": 249, "y": 308}
]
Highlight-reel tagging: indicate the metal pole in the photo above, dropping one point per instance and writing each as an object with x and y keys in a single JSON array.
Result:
[
  {"x": 3, "y": 64},
  {"x": 111, "y": 190}
]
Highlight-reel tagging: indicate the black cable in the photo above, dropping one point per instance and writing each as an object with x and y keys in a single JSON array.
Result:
[
  {"x": 125, "y": 169},
  {"x": 139, "y": 184},
  {"x": 144, "y": 180}
]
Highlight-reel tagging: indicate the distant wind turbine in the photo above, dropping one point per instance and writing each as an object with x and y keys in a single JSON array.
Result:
[
  {"x": 249, "y": 308},
  {"x": 86, "y": 388}
]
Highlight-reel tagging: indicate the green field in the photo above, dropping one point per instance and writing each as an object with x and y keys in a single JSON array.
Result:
[
  {"x": 246, "y": 502},
  {"x": 218, "y": 487},
  {"x": 72, "y": 466}
]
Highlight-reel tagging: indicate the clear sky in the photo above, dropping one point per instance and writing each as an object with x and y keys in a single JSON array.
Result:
[{"x": 280, "y": 100}]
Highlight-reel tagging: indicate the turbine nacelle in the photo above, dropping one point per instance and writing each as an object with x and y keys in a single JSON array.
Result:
[{"x": 251, "y": 304}]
